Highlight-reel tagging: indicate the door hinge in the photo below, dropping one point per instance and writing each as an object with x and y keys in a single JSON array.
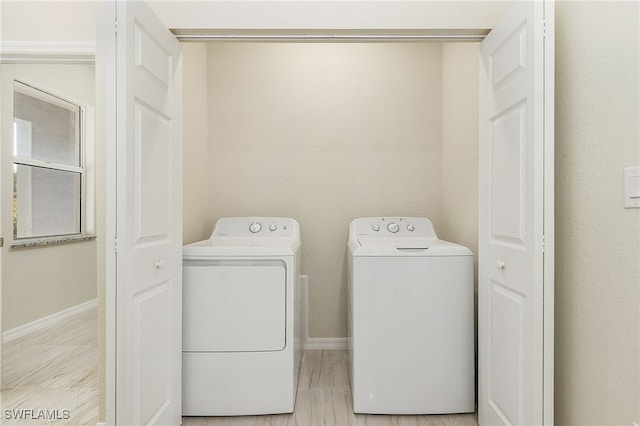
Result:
[
  {"x": 1, "y": 241},
  {"x": 544, "y": 242}
]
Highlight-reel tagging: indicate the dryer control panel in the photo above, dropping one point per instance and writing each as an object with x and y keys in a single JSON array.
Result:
[
  {"x": 256, "y": 227},
  {"x": 393, "y": 227}
]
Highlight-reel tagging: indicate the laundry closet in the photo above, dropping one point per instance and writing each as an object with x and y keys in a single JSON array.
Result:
[{"x": 326, "y": 132}]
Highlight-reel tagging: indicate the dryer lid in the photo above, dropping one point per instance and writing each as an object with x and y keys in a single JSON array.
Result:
[
  {"x": 240, "y": 247},
  {"x": 248, "y": 236}
]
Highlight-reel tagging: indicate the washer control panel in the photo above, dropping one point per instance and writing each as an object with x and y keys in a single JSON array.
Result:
[
  {"x": 394, "y": 227},
  {"x": 258, "y": 227}
]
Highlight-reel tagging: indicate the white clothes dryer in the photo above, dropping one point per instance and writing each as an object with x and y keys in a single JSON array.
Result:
[
  {"x": 241, "y": 318},
  {"x": 410, "y": 312}
]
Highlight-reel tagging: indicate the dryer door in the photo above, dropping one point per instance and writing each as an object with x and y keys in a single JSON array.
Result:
[{"x": 234, "y": 306}]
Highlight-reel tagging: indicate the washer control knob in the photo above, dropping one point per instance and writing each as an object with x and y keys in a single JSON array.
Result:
[
  {"x": 255, "y": 227},
  {"x": 410, "y": 227},
  {"x": 393, "y": 227},
  {"x": 375, "y": 227},
  {"x": 273, "y": 227}
]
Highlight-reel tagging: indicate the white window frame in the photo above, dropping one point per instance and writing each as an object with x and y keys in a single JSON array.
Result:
[{"x": 86, "y": 167}]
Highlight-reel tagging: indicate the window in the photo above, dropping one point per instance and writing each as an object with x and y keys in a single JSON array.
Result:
[{"x": 48, "y": 166}]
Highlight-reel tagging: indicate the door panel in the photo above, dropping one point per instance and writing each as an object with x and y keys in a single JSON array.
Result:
[
  {"x": 506, "y": 349},
  {"x": 508, "y": 191},
  {"x": 149, "y": 224},
  {"x": 152, "y": 149},
  {"x": 509, "y": 59},
  {"x": 514, "y": 363},
  {"x": 152, "y": 351}
]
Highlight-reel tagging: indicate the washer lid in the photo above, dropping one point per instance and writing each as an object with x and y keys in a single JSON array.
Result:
[
  {"x": 399, "y": 236},
  {"x": 400, "y": 243},
  {"x": 392, "y": 228},
  {"x": 368, "y": 247}
]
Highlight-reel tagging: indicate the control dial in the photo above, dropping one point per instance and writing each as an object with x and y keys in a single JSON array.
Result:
[
  {"x": 410, "y": 227},
  {"x": 273, "y": 227},
  {"x": 375, "y": 227},
  {"x": 255, "y": 227},
  {"x": 393, "y": 227}
]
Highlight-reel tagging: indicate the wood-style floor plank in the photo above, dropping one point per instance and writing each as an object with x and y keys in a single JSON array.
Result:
[{"x": 57, "y": 369}]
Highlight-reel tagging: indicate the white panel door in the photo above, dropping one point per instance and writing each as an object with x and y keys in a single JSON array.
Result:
[
  {"x": 149, "y": 221},
  {"x": 515, "y": 324}
]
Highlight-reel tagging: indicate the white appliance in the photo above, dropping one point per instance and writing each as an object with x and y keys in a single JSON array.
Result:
[
  {"x": 241, "y": 318},
  {"x": 411, "y": 320}
]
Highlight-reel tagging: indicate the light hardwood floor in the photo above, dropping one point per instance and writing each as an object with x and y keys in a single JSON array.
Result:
[
  {"x": 52, "y": 369},
  {"x": 324, "y": 398},
  {"x": 56, "y": 369}
]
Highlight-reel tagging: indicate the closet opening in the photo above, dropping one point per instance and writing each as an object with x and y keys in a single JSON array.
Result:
[{"x": 325, "y": 132}]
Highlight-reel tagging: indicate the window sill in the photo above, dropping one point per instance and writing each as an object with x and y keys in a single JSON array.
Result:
[{"x": 50, "y": 241}]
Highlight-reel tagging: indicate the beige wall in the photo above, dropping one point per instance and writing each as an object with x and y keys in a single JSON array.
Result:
[
  {"x": 197, "y": 218},
  {"x": 598, "y": 242},
  {"x": 59, "y": 21},
  {"x": 37, "y": 282},
  {"x": 460, "y": 149},
  {"x": 460, "y": 145},
  {"x": 325, "y": 133},
  {"x": 40, "y": 281}
]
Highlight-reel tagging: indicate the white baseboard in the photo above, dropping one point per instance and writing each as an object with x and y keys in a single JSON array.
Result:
[
  {"x": 47, "y": 321},
  {"x": 326, "y": 343}
]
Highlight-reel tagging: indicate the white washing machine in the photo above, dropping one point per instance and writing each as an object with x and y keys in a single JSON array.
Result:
[
  {"x": 410, "y": 319},
  {"x": 241, "y": 318}
]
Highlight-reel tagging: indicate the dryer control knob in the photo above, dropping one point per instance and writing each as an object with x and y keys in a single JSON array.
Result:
[
  {"x": 375, "y": 227},
  {"x": 273, "y": 227},
  {"x": 410, "y": 227},
  {"x": 255, "y": 227},
  {"x": 393, "y": 227}
]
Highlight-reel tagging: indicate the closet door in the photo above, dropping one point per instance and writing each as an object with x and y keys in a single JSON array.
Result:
[
  {"x": 515, "y": 286},
  {"x": 146, "y": 193}
]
